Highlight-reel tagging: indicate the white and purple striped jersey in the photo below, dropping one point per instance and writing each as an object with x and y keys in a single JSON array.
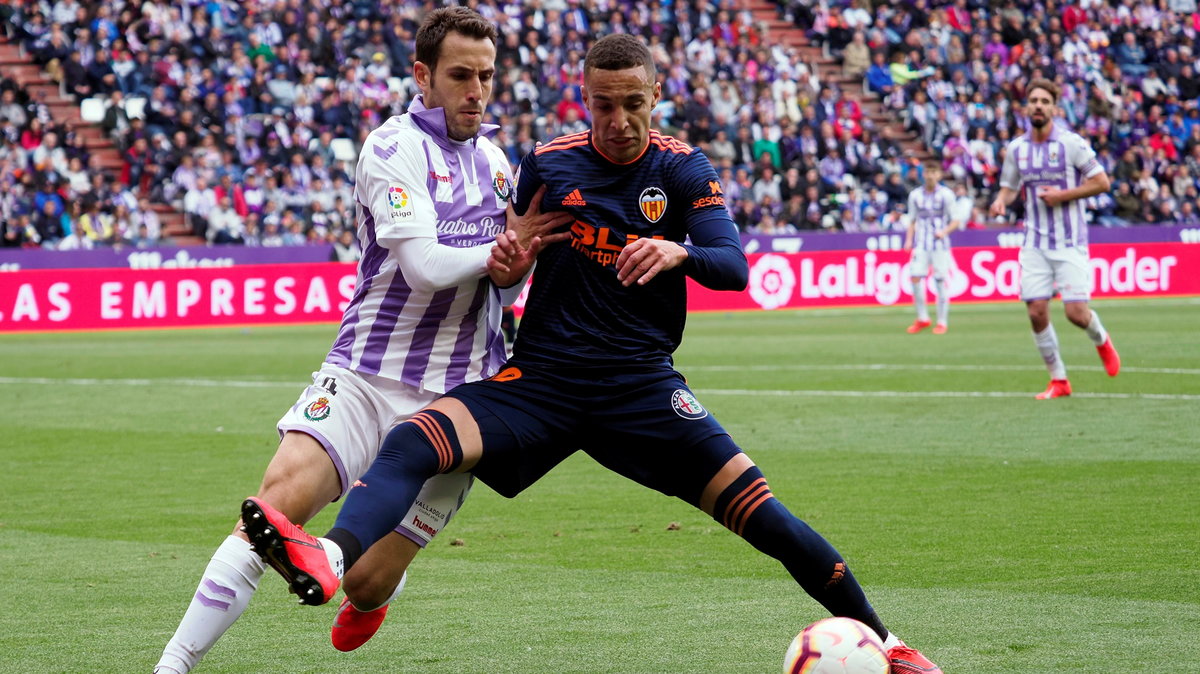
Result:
[
  {"x": 1064, "y": 161},
  {"x": 931, "y": 211},
  {"x": 413, "y": 180}
]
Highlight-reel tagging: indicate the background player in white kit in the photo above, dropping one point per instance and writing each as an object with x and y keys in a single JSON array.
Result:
[
  {"x": 1056, "y": 170},
  {"x": 424, "y": 318},
  {"x": 930, "y": 220}
]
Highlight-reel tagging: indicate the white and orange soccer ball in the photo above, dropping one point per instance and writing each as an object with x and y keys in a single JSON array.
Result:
[{"x": 836, "y": 646}]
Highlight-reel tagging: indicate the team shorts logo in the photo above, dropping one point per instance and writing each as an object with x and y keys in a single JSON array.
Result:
[
  {"x": 501, "y": 186},
  {"x": 686, "y": 405},
  {"x": 399, "y": 203},
  {"x": 318, "y": 410},
  {"x": 507, "y": 374},
  {"x": 653, "y": 203}
]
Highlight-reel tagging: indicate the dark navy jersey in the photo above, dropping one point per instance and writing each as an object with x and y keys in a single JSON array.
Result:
[{"x": 578, "y": 313}]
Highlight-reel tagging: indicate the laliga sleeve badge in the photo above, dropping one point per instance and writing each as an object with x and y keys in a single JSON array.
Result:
[
  {"x": 318, "y": 410},
  {"x": 399, "y": 202},
  {"x": 502, "y": 186},
  {"x": 686, "y": 405}
]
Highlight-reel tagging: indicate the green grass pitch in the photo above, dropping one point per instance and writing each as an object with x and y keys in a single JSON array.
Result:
[{"x": 995, "y": 532}]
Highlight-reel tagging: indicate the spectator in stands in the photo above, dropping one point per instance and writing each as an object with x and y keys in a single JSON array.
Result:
[
  {"x": 879, "y": 75},
  {"x": 224, "y": 224},
  {"x": 198, "y": 202}
]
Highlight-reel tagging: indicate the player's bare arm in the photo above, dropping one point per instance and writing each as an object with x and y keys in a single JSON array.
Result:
[
  {"x": 1003, "y": 199},
  {"x": 1090, "y": 187},
  {"x": 535, "y": 223},
  {"x": 945, "y": 231},
  {"x": 642, "y": 260}
]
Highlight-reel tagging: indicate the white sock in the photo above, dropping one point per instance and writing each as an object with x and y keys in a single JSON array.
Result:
[
  {"x": 891, "y": 642},
  {"x": 1096, "y": 330},
  {"x": 1047, "y": 344},
  {"x": 225, "y": 589},
  {"x": 333, "y": 553},
  {"x": 918, "y": 288},
  {"x": 943, "y": 301}
]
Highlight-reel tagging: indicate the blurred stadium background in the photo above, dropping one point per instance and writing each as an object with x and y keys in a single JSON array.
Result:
[
  {"x": 136, "y": 124},
  {"x": 217, "y": 133}
]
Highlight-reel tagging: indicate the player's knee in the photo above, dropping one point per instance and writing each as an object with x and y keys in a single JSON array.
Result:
[
  {"x": 301, "y": 478},
  {"x": 426, "y": 444}
]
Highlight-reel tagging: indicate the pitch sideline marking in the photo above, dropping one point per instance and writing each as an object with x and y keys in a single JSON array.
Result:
[
  {"x": 927, "y": 368},
  {"x": 936, "y": 394},
  {"x": 231, "y": 383}
]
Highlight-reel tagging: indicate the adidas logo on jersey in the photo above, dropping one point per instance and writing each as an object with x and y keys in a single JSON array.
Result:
[{"x": 574, "y": 199}]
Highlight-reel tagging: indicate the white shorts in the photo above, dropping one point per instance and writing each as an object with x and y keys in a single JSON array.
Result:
[
  {"x": 922, "y": 260},
  {"x": 350, "y": 414},
  {"x": 1065, "y": 269}
]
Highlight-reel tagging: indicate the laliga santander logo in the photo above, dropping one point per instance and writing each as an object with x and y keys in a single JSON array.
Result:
[{"x": 772, "y": 281}]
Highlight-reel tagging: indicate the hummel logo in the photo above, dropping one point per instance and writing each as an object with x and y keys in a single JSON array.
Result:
[{"x": 574, "y": 199}]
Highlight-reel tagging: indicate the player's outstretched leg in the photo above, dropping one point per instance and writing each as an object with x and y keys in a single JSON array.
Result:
[
  {"x": 1104, "y": 346},
  {"x": 298, "y": 557},
  {"x": 225, "y": 588},
  {"x": 1047, "y": 344},
  {"x": 919, "y": 303},
  {"x": 747, "y": 507},
  {"x": 943, "y": 307},
  {"x": 300, "y": 480}
]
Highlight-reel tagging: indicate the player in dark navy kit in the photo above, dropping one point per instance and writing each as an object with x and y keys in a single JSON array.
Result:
[{"x": 592, "y": 362}]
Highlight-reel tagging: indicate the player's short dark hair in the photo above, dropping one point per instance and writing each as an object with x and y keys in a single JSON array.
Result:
[
  {"x": 1045, "y": 85},
  {"x": 441, "y": 22},
  {"x": 618, "y": 52}
]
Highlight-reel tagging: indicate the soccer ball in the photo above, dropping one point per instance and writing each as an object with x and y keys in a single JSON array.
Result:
[{"x": 836, "y": 646}]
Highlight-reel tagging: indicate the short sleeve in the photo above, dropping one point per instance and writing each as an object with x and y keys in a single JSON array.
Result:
[
  {"x": 390, "y": 185},
  {"x": 528, "y": 180},
  {"x": 1083, "y": 158},
  {"x": 1010, "y": 175}
]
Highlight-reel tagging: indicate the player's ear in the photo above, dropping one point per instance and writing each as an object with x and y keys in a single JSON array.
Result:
[
  {"x": 584, "y": 95},
  {"x": 423, "y": 75},
  {"x": 657, "y": 94}
]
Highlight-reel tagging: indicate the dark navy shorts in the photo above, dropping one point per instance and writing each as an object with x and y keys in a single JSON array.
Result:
[{"x": 644, "y": 424}]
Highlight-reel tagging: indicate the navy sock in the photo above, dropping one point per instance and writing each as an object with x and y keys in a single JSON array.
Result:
[
  {"x": 413, "y": 452},
  {"x": 748, "y": 508}
]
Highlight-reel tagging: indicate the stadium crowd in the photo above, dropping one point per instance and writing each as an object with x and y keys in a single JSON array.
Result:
[{"x": 246, "y": 115}]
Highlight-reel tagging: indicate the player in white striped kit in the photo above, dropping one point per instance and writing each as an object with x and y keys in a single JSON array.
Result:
[
  {"x": 1056, "y": 170},
  {"x": 432, "y": 193},
  {"x": 930, "y": 221}
]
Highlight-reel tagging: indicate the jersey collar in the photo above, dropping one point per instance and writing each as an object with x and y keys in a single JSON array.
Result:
[
  {"x": 1052, "y": 136},
  {"x": 597, "y": 150},
  {"x": 433, "y": 122}
]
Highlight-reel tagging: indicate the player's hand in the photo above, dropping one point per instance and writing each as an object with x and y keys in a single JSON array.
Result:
[
  {"x": 940, "y": 234},
  {"x": 1051, "y": 196},
  {"x": 509, "y": 261},
  {"x": 535, "y": 223},
  {"x": 998, "y": 209},
  {"x": 642, "y": 260}
]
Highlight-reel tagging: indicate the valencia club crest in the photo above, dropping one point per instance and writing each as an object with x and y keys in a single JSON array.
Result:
[{"x": 653, "y": 203}]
